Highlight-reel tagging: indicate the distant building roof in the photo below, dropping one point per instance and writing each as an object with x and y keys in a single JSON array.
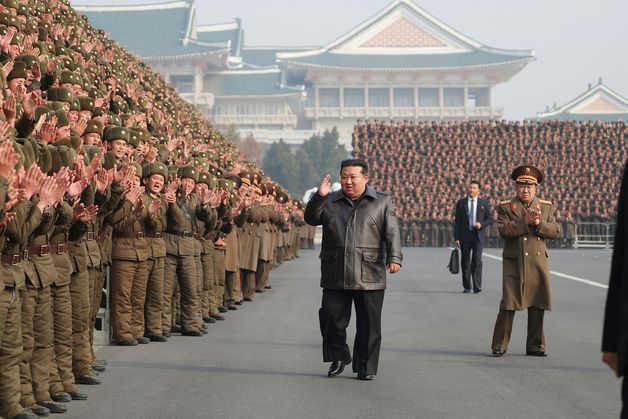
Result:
[
  {"x": 597, "y": 103},
  {"x": 237, "y": 83}
]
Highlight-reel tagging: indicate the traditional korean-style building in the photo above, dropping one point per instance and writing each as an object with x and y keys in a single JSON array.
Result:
[
  {"x": 402, "y": 63},
  {"x": 597, "y": 103}
]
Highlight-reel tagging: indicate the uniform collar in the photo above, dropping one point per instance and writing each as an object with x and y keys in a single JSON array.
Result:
[{"x": 338, "y": 195}]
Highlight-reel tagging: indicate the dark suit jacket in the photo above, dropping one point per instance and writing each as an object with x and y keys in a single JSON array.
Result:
[
  {"x": 615, "y": 335},
  {"x": 461, "y": 221}
]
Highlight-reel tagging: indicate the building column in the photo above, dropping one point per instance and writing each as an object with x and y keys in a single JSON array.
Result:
[
  {"x": 391, "y": 98},
  {"x": 490, "y": 102},
  {"x": 366, "y": 100},
  {"x": 341, "y": 98},
  {"x": 416, "y": 100},
  {"x": 466, "y": 102},
  {"x": 441, "y": 100},
  {"x": 315, "y": 102},
  {"x": 198, "y": 84}
]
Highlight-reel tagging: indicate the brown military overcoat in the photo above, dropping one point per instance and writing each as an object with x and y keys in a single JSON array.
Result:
[{"x": 526, "y": 273}]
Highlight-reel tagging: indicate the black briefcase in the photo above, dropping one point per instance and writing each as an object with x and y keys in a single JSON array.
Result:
[{"x": 454, "y": 261}]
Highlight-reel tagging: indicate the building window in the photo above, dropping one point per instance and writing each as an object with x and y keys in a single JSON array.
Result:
[
  {"x": 271, "y": 109},
  {"x": 478, "y": 96},
  {"x": 429, "y": 97},
  {"x": 329, "y": 98},
  {"x": 218, "y": 110},
  {"x": 242, "y": 109},
  {"x": 354, "y": 98},
  {"x": 378, "y": 98},
  {"x": 454, "y": 97},
  {"x": 404, "y": 98},
  {"x": 183, "y": 84}
]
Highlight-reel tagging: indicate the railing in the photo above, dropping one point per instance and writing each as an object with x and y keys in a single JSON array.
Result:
[
  {"x": 594, "y": 235},
  {"x": 404, "y": 112}
]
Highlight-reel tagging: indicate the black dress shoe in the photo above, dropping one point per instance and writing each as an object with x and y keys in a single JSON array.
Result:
[
  {"x": 248, "y": 299},
  {"x": 234, "y": 308},
  {"x": 77, "y": 395},
  {"x": 192, "y": 333},
  {"x": 536, "y": 353},
  {"x": 477, "y": 291},
  {"x": 210, "y": 319},
  {"x": 337, "y": 367},
  {"x": 466, "y": 291},
  {"x": 238, "y": 303},
  {"x": 39, "y": 410},
  {"x": 143, "y": 340},
  {"x": 98, "y": 367},
  {"x": 62, "y": 397},
  {"x": 218, "y": 317},
  {"x": 158, "y": 338},
  {"x": 53, "y": 407},
  {"x": 222, "y": 309},
  {"x": 167, "y": 334},
  {"x": 268, "y": 287},
  {"x": 259, "y": 291},
  {"x": 498, "y": 352},
  {"x": 26, "y": 414},
  {"x": 366, "y": 377},
  {"x": 128, "y": 342},
  {"x": 88, "y": 380},
  {"x": 175, "y": 329}
]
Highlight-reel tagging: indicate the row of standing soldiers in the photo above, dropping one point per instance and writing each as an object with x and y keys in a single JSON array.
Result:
[{"x": 179, "y": 254}]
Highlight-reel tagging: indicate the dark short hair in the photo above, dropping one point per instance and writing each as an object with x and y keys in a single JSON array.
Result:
[
  {"x": 355, "y": 162},
  {"x": 475, "y": 182}
]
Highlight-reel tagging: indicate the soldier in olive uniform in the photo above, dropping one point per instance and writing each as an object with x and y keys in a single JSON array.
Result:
[{"x": 525, "y": 222}]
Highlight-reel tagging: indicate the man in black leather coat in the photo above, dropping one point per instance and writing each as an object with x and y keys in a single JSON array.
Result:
[{"x": 360, "y": 241}]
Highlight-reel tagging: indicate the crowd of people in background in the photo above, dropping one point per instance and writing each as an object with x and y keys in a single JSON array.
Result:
[{"x": 426, "y": 165}]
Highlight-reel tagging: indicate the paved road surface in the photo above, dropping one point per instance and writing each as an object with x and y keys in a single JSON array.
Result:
[{"x": 264, "y": 361}]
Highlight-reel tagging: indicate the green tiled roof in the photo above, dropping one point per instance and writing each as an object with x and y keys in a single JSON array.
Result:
[
  {"x": 415, "y": 61},
  {"x": 245, "y": 83},
  {"x": 217, "y": 37},
  {"x": 263, "y": 56}
]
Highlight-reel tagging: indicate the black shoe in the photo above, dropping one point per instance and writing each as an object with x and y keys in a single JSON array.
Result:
[
  {"x": 210, "y": 319},
  {"x": 53, "y": 407},
  {"x": 234, "y": 308},
  {"x": 39, "y": 410},
  {"x": 26, "y": 414},
  {"x": 498, "y": 352},
  {"x": 158, "y": 338},
  {"x": 337, "y": 367},
  {"x": 247, "y": 299},
  {"x": 217, "y": 317},
  {"x": 222, "y": 309},
  {"x": 477, "y": 291},
  {"x": 259, "y": 291},
  {"x": 238, "y": 303},
  {"x": 192, "y": 333},
  {"x": 88, "y": 380},
  {"x": 167, "y": 334},
  {"x": 62, "y": 397},
  {"x": 143, "y": 340},
  {"x": 536, "y": 353},
  {"x": 175, "y": 329},
  {"x": 268, "y": 287},
  {"x": 98, "y": 368},
  {"x": 466, "y": 291},
  {"x": 128, "y": 342},
  {"x": 366, "y": 377},
  {"x": 77, "y": 395}
]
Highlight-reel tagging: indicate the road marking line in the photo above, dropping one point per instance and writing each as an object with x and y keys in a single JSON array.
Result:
[{"x": 562, "y": 275}]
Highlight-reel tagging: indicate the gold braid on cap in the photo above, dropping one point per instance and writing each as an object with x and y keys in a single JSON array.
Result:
[{"x": 527, "y": 179}]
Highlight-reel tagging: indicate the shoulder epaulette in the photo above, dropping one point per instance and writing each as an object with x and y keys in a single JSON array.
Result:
[
  {"x": 506, "y": 202},
  {"x": 542, "y": 201}
]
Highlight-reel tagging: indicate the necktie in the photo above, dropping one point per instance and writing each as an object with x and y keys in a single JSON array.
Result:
[{"x": 471, "y": 215}]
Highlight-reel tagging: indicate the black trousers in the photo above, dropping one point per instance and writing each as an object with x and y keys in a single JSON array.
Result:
[
  {"x": 334, "y": 317},
  {"x": 471, "y": 261}
]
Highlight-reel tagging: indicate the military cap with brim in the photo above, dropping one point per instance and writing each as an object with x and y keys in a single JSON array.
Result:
[
  {"x": 189, "y": 172},
  {"x": 134, "y": 138},
  {"x": 60, "y": 94},
  {"x": 27, "y": 59},
  {"x": 94, "y": 126},
  {"x": 528, "y": 175},
  {"x": 18, "y": 71}
]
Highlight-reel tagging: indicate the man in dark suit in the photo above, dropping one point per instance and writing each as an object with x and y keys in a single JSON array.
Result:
[
  {"x": 473, "y": 216},
  {"x": 615, "y": 335}
]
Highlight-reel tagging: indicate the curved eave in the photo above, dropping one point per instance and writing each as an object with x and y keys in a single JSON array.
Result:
[
  {"x": 278, "y": 95},
  {"x": 191, "y": 55},
  {"x": 410, "y": 69}
]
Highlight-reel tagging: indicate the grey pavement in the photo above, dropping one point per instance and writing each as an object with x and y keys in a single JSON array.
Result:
[{"x": 264, "y": 360}]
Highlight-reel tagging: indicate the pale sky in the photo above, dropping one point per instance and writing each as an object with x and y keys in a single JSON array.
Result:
[{"x": 576, "y": 41}]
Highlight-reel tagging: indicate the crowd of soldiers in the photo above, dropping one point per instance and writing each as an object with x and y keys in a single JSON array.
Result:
[
  {"x": 425, "y": 166},
  {"x": 106, "y": 172}
]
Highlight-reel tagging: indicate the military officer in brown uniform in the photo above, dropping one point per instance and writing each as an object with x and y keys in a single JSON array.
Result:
[
  {"x": 154, "y": 177},
  {"x": 525, "y": 223}
]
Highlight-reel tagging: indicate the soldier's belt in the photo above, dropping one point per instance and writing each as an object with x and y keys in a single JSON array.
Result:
[
  {"x": 105, "y": 234},
  {"x": 154, "y": 235},
  {"x": 137, "y": 235},
  {"x": 13, "y": 259},
  {"x": 184, "y": 234},
  {"x": 45, "y": 249},
  {"x": 90, "y": 236}
]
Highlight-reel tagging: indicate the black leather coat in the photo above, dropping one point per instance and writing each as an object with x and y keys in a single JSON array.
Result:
[{"x": 358, "y": 240}]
